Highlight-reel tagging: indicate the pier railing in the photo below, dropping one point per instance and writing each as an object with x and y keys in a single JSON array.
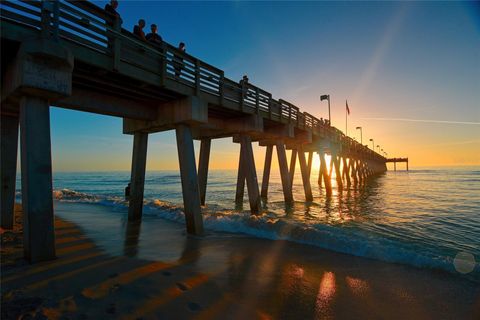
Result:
[{"x": 87, "y": 25}]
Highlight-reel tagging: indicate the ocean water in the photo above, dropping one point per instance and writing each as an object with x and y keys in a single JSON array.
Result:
[{"x": 425, "y": 218}]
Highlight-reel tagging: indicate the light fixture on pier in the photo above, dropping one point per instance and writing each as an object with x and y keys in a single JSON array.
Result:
[
  {"x": 373, "y": 145},
  {"x": 327, "y": 97},
  {"x": 361, "y": 134},
  {"x": 378, "y": 148}
]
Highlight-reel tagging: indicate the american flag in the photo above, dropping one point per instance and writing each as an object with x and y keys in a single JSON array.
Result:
[{"x": 348, "y": 109}]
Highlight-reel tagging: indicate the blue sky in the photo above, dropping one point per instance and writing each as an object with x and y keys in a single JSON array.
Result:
[{"x": 391, "y": 60}]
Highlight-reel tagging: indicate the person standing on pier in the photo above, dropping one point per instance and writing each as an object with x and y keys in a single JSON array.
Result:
[
  {"x": 138, "y": 30},
  {"x": 178, "y": 61},
  {"x": 127, "y": 191},
  {"x": 153, "y": 37},
  {"x": 243, "y": 83},
  {"x": 111, "y": 10}
]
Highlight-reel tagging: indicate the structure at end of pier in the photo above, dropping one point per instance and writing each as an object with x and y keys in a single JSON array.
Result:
[{"x": 395, "y": 160}]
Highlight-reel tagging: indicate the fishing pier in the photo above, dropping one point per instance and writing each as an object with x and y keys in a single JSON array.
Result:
[
  {"x": 395, "y": 160},
  {"x": 72, "y": 54}
]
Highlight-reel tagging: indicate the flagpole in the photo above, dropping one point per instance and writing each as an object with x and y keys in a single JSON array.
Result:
[
  {"x": 329, "y": 117},
  {"x": 346, "y": 128}
]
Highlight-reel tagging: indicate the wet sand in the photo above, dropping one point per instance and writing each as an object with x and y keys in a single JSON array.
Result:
[{"x": 108, "y": 268}]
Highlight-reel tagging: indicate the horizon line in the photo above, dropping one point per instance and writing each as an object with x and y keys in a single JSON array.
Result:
[{"x": 424, "y": 120}]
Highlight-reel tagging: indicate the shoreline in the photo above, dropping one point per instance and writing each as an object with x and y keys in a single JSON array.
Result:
[{"x": 110, "y": 268}]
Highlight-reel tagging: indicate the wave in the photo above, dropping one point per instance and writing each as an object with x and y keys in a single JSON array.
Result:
[{"x": 336, "y": 238}]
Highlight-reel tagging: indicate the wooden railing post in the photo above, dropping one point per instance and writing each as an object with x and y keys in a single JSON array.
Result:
[
  {"x": 242, "y": 95},
  {"x": 197, "y": 77},
  {"x": 46, "y": 17},
  {"x": 221, "y": 87},
  {"x": 270, "y": 108},
  {"x": 56, "y": 20},
  {"x": 117, "y": 26},
  {"x": 257, "y": 102}
]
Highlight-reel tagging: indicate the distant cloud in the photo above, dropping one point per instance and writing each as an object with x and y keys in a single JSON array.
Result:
[
  {"x": 425, "y": 121},
  {"x": 457, "y": 143}
]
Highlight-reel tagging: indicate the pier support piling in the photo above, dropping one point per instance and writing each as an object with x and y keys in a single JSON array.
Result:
[
  {"x": 205, "y": 145},
  {"x": 37, "y": 197},
  {"x": 338, "y": 175},
  {"x": 310, "y": 161},
  {"x": 9, "y": 146},
  {"x": 240, "y": 191},
  {"x": 284, "y": 173},
  {"x": 266, "y": 171},
  {"x": 137, "y": 179},
  {"x": 188, "y": 173},
  {"x": 305, "y": 174},
  {"x": 293, "y": 164},
  {"x": 353, "y": 164},
  {"x": 250, "y": 174},
  {"x": 331, "y": 166},
  {"x": 320, "y": 172},
  {"x": 324, "y": 173},
  {"x": 346, "y": 170}
]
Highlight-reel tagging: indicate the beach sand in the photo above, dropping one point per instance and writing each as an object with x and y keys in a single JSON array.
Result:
[{"x": 108, "y": 268}]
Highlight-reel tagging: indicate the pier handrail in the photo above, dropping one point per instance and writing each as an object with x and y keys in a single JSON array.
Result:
[{"x": 88, "y": 25}]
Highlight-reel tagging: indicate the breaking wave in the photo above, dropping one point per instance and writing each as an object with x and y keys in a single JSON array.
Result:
[{"x": 332, "y": 237}]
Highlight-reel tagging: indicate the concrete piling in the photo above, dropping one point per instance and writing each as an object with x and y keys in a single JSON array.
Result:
[
  {"x": 137, "y": 179},
  {"x": 250, "y": 174},
  {"x": 293, "y": 164},
  {"x": 266, "y": 171},
  {"x": 9, "y": 146},
  {"x": 203, "y": 161},
  {"x": 338, "y": 175},
  {"x": 188, "y": 173},
  {"x": 37, "y": 197},
  {"x": 240, "y": 190},
  {"x": 284, "y": 172},
  {"x": 305, "y": 174},
  {"x": 325, "y": 175}
]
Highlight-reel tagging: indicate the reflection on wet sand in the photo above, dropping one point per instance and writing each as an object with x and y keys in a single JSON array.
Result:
[{"x": 154, "y": 271}]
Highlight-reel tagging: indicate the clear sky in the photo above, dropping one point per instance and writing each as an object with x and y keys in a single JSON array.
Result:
[{"x": 410, "y": 72}]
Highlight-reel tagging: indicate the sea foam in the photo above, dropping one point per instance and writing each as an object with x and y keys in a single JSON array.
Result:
[{"x": 327, "y": 236}]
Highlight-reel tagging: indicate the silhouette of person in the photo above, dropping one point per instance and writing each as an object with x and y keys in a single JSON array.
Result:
[
  {"x": 127, "y": 192},
  {"x": 243, "y": 83},
  {"x": 111, "y": 10},
  {"x": 244, "y": 80},
  {"x": 178, "y": 61},
  {"x": 153, "y": 36},
  {"x": 138, "y": 30}
]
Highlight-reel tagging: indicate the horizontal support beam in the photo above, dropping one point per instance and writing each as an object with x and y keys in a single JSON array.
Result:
[
  {"x": 221, "y": 128},
  {"x": 189, "y": 110},
  {"x": 107, "y": 104}
]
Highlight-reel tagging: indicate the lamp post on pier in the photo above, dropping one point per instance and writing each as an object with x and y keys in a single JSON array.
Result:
[
  {"x": 373, "y": 145},
  {"x": 327, "y": 97},
  {"x": 361, "y": 134},
  {"x": 378, "y": 148}
]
